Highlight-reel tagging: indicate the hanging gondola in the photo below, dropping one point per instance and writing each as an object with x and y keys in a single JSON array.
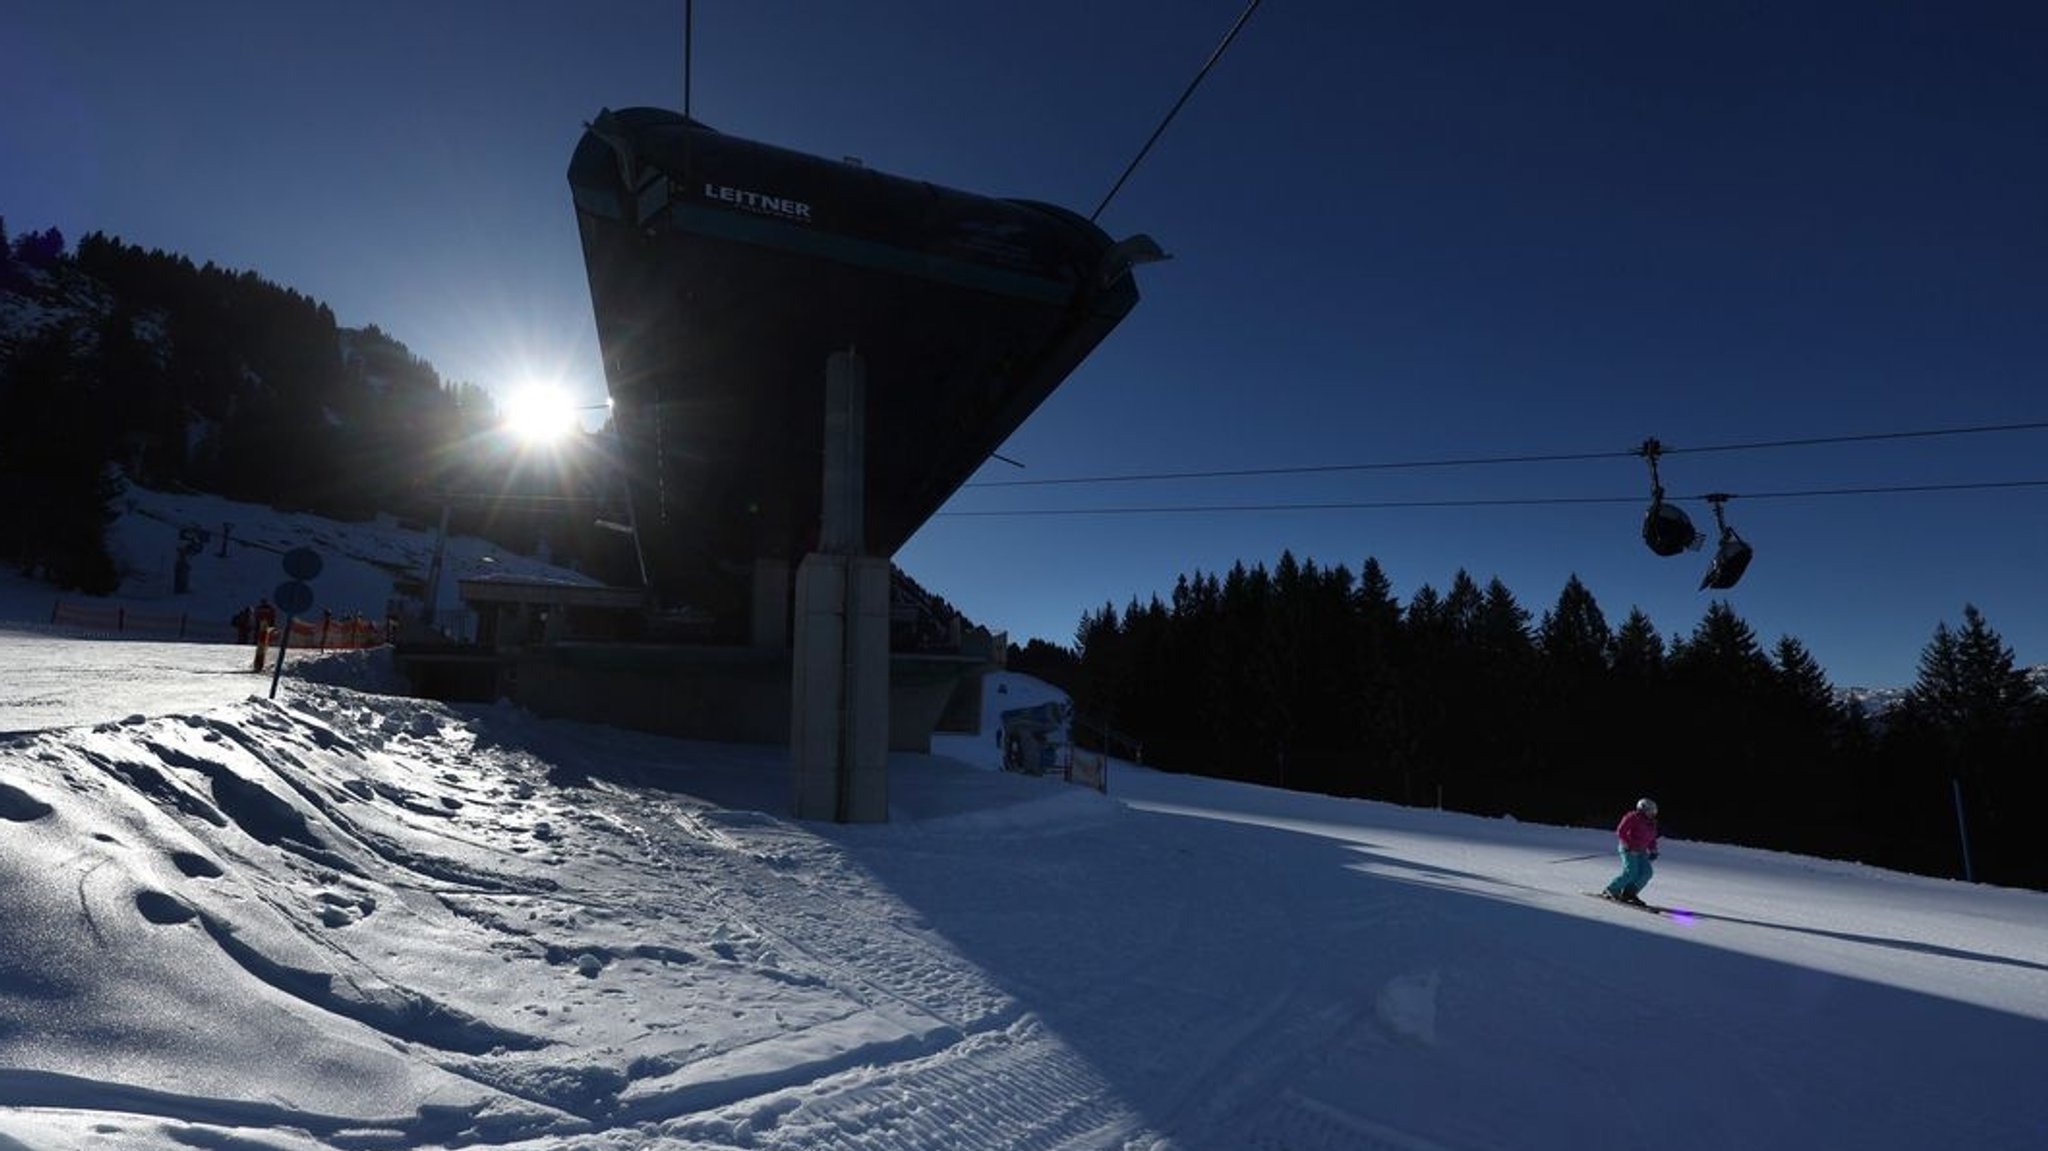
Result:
[
  {"x": 1666, "y": 528},
  {"x": 1732, "y": 557}
]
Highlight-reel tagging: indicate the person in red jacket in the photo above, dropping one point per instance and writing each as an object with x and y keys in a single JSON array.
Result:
[{"x": 1638, "y": 834}]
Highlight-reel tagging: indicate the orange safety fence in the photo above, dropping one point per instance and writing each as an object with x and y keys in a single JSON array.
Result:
[
  {"x": 332, "y": 633},
  {"x": 325, "y": 633}
]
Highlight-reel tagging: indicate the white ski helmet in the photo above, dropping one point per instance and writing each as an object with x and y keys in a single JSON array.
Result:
[{"x": 1646, "y": 805}]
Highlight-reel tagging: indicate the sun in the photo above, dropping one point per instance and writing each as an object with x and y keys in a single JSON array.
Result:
[{"x": 539, "y": 414}]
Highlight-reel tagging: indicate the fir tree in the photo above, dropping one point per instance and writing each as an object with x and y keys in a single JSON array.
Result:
[
  {"x": 1576, "y": 703},
  {"x": 1382, "y": 740},
  {"x": 1425, "y": 616},
  {"x": 1968, "y": 686},
  {"x": 1970, "y": 714},
  {"x": 1502, "y": 629},
  {"x": 1803, "y": 684},
  {"x": 1638, "y": 648},
  {"x": 1464, "y": 603},
  {"x": 1377, "y": 608},
  {"x": 1574, "y": 634},
  {"x": 1722, "y": 647}
]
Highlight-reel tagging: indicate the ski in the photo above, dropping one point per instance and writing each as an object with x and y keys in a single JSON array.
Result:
[{"x": 1606, "y": 898}]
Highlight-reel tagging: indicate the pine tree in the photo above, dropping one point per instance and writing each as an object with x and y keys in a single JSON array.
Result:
[
  {"x": 1808, "y": 728},
  {"x": 1502, "y": 630},
  {"x": 1382, "y": 740},
  {"x": 1638, "y": 648},
  {"x": 1425, "y": 616},
  {"x": 1969, "y": 688},
  {"x": 1574, "y": 634},
  {"x": 1579, "y": 717},
  {"x": 1377, "y": 607},
  {"x": 1972, "y": 712},
  {"x": 1463, "y": 605},
  {"x": 1803, "y": 684},
  {"x": 1722, "y": 648}
]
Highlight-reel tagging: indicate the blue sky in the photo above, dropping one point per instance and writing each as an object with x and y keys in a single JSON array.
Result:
[{"x": 1401, "y": 232}]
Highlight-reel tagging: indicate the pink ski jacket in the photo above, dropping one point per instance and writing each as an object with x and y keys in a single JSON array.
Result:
[{"x": 1638, "y": 832}]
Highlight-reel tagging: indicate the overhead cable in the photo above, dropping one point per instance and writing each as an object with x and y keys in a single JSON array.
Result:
[
  {"x": 1175, "y": 110},
  {"x": 1541, "y": 458},
  {"x": 1501, "y": 502}
]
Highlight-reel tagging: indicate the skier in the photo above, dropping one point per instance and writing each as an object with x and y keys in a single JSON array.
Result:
[{"x": 1638, "y": 834}]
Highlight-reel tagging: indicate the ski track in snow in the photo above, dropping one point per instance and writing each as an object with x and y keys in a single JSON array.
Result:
[
  {"x": 913, "y": 1043},
  {"x": 462, "y": 927}
]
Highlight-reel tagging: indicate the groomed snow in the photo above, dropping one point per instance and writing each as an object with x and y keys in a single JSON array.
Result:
[
  {"x": 346, "y": 919},
  {"x": 351, "y": 920}
]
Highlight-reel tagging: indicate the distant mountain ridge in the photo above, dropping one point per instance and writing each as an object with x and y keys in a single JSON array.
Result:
[{"x": 1876, "y": 701}]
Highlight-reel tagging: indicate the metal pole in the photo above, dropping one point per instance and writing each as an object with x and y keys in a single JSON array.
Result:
[
  {"x": 284, "y": 640},
  {"x": 1962, "y": 828},
  {"x": 433, "y": 593}
]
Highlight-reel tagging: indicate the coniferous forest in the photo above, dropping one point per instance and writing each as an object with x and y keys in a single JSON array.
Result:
[
  {"x": 1305, "y": 677},
  {"x": 1315, "y": 679},
  {"x": 196, "y": 377}
]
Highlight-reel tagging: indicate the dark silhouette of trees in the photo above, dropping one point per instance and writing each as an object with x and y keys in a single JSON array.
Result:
[
  {"x": 38, "y": 250},
  {"x": 54, "y": 485},
  {"x": 1973, "y": 721},
  {"x": 1309, "y": 678},
  {"x": 205, "y": 377},
  {"x": 1047, "y": 661}
]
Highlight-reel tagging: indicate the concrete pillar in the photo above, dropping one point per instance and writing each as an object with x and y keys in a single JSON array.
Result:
[
  {"x": 843, "y": 516},
  {"x": 839, "y": 663},
  {"x": 839, "y": 695}
]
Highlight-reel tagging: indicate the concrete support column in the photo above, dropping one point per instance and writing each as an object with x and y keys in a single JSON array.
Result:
[
  {"x": 839, "y": 691},
  {"x": 843, "y": 516},
  {"x": 839, "y": 697}
]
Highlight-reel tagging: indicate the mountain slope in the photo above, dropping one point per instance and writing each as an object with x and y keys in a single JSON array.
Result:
[{"x": 352, "y": 920}]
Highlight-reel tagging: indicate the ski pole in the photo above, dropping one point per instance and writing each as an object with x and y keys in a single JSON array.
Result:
[{"x": 1580, "y": 858}]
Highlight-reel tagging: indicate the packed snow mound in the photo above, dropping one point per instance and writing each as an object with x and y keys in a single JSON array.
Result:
[{"x": 370, "y": 670}]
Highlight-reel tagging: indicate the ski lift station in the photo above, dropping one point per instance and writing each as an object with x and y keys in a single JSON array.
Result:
[{"x": 806, "y": 358}]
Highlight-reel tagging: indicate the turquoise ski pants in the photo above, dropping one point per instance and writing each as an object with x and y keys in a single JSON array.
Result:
[{"x": 1635, "y": 872}]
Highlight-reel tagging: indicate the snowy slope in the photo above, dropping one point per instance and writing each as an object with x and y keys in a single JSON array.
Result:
[
  {"x": 360, "y": 561},
  {"x": 348, "y": 920}
]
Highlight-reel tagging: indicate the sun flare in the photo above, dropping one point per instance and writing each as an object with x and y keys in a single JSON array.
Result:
[{"x": 539, "y": 414}]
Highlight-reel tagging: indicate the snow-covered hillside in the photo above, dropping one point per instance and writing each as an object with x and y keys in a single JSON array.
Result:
[
  {"x": 241, "y": 559},
  {"x": 346, "y": 919},
  {"x": 351, "y": 920}
]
